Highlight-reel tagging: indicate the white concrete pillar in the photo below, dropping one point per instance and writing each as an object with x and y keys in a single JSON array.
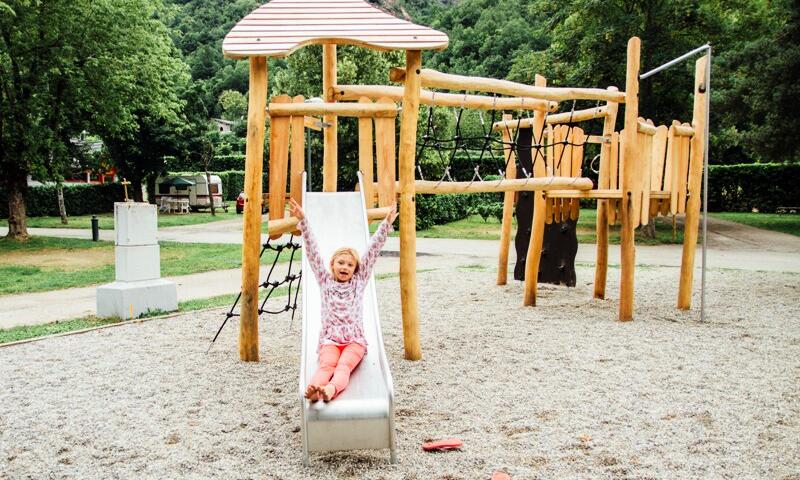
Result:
[{"x": 139, "y": 287}]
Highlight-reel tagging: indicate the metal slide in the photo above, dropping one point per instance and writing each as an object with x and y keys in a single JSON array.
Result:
[{"x": 362, "y": 416}]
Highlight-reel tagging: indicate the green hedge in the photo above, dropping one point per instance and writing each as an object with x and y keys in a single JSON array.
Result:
[
  {"x": 439, "y": 209},
  {"x": 761, "y": 186},
  {"x": 79, "y": 199},
  {"x": 732, "y": 188}
]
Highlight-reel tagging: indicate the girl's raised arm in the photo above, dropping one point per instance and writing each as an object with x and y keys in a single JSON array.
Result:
[
  {"x": 309, "y": 243},
  {"x": 376, "y": 243}
]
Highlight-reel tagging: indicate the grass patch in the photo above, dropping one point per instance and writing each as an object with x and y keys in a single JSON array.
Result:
[
  {"x": 16, "y": 334},
  {"x": 785, "y": 222},
  {"x": 475, "y": 267},
  {"x": 106, "y": 220},
  {"x": 475, "y": 228},
  {"x": 44, "y": 263}
]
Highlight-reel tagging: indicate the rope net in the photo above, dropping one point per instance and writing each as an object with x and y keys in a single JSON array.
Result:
[
  {"x": 291, "y": 280},
  {"x": 483, "y": 147}
]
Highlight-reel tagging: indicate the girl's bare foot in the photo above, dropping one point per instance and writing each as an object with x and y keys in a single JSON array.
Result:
[
  {"x": 312, "y": 393},
  {"x": 327, "y": 392}
]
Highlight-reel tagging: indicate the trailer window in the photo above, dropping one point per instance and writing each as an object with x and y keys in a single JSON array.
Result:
[
  {"x": 163, "y": 188},
  {"x": 181, "y": 188},
  {"x": 214, "y": 188}
]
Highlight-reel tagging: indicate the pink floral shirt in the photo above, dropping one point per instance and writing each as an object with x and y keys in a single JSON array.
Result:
[{"x": 342, "y": 302}]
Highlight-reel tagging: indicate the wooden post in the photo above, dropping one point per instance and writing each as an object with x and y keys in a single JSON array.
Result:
[
  {"x": 408, "y": 220},
  {"x": 251, "y": 235},
  {"x": 604, "y": 182},
  {"x": 539, "y": 209},
  {"x": 365, "y": 158},
  {"x": 278, "y": 163},
  {"x": 695, "y": 186},
  {"x": 508, "y": 205},
  {"x": 631, "y": 156},
  {"x": 330, "y": 160},
  {"x": 385, "y": 129},
  {"x": 298, "y": 157}
]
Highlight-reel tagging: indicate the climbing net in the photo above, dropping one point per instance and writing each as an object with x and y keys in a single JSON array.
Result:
[
  {"x": 482, "y": 145},
  {"x": 272, "y": 285}
]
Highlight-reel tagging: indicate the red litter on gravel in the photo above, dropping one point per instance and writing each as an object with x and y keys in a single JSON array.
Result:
[{"x": 442, "y": 445}]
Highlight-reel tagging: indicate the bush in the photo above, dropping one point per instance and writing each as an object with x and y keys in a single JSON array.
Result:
[
  {"x": 763, "y": 186},
  {"x": 79, "y": 199},
  {"x": 488, "y": 210},
  {"x": 439, "y": 209}
]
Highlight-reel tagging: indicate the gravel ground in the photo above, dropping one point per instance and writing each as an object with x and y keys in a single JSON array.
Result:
[{"x": 558, "y": 391}]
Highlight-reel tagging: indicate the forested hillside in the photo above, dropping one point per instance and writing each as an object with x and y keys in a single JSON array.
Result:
[
  {"x": 571, "y": 43},
  {"x": 147, "y": 75}
]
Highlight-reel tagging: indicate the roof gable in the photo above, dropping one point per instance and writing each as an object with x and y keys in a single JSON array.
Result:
[{"x": 280, "y": 27}]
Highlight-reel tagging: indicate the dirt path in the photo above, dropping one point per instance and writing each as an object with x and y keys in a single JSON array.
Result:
[{"x": 557, "y": 391}]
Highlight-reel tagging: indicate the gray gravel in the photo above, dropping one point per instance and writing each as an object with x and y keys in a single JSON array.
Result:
[{"x": 557, "y": 391}]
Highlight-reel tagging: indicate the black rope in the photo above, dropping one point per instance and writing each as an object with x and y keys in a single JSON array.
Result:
[
  {"x": 477, "y": 148},
  {"x": 271, "y": 285}
]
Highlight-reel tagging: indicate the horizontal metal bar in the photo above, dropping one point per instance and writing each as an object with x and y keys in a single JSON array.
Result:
[{"x": 673, "y": 62}]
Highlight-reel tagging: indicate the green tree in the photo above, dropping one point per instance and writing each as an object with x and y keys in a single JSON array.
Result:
[
  {"x": 486, "y": 36},
  {"x": 234, "y": 105},
  {"x": 756, "y": 95},
  {"x": 69, "y": 66}
]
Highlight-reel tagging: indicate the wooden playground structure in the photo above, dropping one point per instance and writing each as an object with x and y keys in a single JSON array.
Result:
[{"x": 644, "y": 170}]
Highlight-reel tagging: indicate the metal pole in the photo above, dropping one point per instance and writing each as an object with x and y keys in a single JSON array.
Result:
[
  {"x": 683, "y": 57},
  {"x": 705, "y": 186},
  {"x": 707, "y": 49}
]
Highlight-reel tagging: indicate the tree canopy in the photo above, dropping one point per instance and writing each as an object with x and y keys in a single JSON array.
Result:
[
  {"x": 69, "y": 66},
  {"x": 147, "y": 75}
]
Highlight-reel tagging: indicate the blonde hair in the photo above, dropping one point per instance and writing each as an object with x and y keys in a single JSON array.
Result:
[{"x": 346, "y": 251}]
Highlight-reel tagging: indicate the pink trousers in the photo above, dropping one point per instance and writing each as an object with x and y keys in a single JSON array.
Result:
[{"x": 336, "y": 362}]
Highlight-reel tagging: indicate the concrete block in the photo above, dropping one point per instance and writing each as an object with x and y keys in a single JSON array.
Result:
[
  {"x": 135, "y": 223},
  {"x": 137, "y": 263},
  {"x": 116, "y": 299}
]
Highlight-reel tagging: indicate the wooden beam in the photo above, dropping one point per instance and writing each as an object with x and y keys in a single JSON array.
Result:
[
  {"x": 298, "y": 154},
  {"x": 534, "y": 255},
  {"x": 408, "y": 216},
  {"x": 645, "y": 127},
  {"x": 366, "y": 160},
  {"x": 313, "y": 123},
  {"x": 278, "y": 161},
  {"x": 288, "y": 224},
  {"x": 603, "y": 206},
  {"x": 684, "y": 131},
  {"x": 553, "y": 120},
  {"x": 435, "y": 79},
  {"x": 695, "y": 185},
  {"x": 607, "y": 194},
  {"x": 599, "y": 139},
  {"x": 330, "y": 162},
  {"x": 339, "y": 109},
  {"x": 427, "y": 97},
  {"x": 577, "y": 115},
  {"x": 631, "y": 154},
  {"x": 517, "y": 185},
  {"x": 508, "y": 206},
  {"x": 251, "y": 234},
  {"x": 385, "y": 160}
]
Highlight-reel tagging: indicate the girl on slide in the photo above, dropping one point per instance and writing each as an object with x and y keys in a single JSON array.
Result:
[{"x": 341, "y": 339}]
